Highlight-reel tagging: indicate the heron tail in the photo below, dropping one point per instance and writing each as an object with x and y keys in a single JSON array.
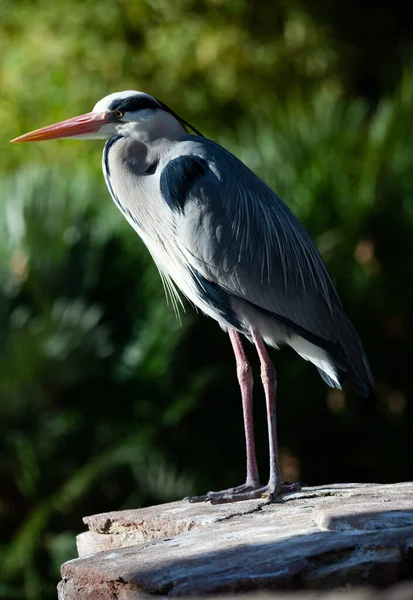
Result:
[{"x": 351, "y": 361}]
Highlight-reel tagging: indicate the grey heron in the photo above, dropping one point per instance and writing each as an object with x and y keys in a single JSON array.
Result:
[{"x": 223, "y": 238}]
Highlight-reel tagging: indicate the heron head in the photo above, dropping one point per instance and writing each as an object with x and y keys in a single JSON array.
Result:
[{"x": 128, "y": 114}]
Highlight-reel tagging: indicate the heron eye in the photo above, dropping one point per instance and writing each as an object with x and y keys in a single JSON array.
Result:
[{"x": 119, "y": 114}]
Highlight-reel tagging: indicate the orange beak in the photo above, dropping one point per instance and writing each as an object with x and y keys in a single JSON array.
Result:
[{"x": 82, "y": 125}]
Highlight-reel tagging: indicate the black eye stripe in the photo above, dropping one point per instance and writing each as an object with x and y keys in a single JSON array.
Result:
[{"x": 133, "y": 103}]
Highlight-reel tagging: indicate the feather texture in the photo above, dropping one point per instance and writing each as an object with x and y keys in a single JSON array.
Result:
[{"x": 229, "y": 244}]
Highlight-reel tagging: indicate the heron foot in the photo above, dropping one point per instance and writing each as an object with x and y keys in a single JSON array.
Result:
[
  {"x": 285, "y": 488},
  {"x": 247, "y": 492}
]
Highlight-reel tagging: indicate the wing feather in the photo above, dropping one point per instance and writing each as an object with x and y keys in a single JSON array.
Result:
[{"x": 238, "y": 234}]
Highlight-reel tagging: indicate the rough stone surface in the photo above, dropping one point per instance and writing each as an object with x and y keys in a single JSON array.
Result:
[{"x": 324, "y": 537}]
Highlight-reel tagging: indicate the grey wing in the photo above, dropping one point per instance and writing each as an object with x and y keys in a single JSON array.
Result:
[{"x": 238, "y": 235}]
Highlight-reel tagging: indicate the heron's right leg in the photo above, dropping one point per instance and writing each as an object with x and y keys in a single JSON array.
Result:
[
  {"x": 244, "y": 373},
  {"x": 274, "y": 486},
  {"x": 245, "y": 380}
]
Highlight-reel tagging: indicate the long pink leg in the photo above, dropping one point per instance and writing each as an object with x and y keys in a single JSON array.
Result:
[
  {"x": 269, "y": 382},
  {"x": 244, "y": 373},
  {"x": 251, "y": 489}
]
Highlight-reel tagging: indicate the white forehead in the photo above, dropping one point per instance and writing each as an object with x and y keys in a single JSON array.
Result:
[{"x": 105, "y": 103}]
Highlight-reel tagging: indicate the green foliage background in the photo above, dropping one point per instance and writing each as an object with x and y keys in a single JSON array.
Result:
[{"x": 106, "y": 400}]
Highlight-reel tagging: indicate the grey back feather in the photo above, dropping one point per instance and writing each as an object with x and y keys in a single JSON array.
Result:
[
  {"x": 202, "y": 213},
  {"x": 240, "y": 235}
]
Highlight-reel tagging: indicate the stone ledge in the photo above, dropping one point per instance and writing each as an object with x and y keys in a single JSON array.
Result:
[{"x": 322, "y": 537}]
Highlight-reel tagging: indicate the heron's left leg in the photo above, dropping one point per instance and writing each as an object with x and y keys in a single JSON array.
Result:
[
  {"x": 275, "y": 486},
  {"x": 269, "y": 381}
]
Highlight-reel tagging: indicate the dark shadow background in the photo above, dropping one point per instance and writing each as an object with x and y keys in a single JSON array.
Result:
[{"x": 106, "y": 401}]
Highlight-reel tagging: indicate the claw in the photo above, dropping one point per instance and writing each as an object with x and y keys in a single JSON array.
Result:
[{"x": 246, "y": 492}]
